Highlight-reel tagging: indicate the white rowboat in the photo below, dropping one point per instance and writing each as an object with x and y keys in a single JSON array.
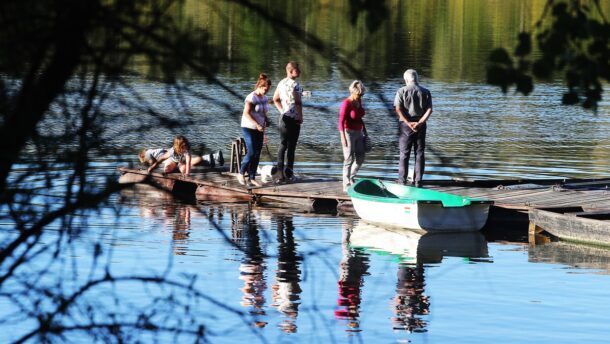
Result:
[{"x": 396, "y": 205}]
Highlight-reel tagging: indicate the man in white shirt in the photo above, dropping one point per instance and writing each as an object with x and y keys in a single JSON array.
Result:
[{"x": 287, "y": 100}]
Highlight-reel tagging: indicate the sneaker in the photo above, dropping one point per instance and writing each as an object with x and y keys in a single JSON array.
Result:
[
  {"x": 241, "y": 179},
  {"x": 209, "y": 160},
  {"x": 255, "y": 183}
]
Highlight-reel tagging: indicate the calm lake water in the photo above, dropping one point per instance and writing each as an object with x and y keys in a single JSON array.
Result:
[{"x": 286, "y": 275}]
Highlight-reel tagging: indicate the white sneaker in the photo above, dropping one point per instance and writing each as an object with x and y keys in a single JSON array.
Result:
[
  {"x": 256, "y": 183},
  {"x": 241, "y": 179}
]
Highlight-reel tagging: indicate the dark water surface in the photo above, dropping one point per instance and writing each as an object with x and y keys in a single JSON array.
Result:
[{"x": 285, "y": 275}]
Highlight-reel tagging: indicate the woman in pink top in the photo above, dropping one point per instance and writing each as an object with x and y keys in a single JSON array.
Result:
[{"x": 351, "y": 132}]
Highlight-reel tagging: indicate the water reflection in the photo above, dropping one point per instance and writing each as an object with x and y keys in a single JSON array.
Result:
[
  {"x": 353, "y": 266},
  {"x": 410, "y": 302},
  {"x": 157, "y": 204},
  {"x": 245, "y": 234},
  {"x": 579, "y": 256},
  {"x": 286, "y": 290},
  {"x": 414, "y": 247},
  {"x": 413, "y": 250}
]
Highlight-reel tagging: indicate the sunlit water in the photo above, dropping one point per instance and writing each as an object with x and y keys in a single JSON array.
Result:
[{"x": 299, "y": 277}]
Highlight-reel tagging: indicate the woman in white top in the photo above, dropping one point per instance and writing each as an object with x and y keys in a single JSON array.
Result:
[{"x": 253, "y": 122}]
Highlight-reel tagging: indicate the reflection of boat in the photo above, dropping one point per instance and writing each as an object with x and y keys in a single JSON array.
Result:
[
  {"x": 587, "y": 227},
  {"x": 572, "y": 254},
  {"x": 418, "y": 246},
  {"x": 392, "y": 204}
]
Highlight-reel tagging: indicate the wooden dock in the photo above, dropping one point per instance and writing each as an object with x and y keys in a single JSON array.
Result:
[{"x": 516, "y": 195}]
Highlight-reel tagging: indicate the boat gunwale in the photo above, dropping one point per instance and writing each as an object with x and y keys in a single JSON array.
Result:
[{"x": 353, "y": 193}]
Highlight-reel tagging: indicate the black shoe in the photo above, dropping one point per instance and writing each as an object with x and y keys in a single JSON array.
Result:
[
  {"x": 218, "y": 158},
  {"x": 417, "y": 184},
  {"x": 212, "y": 161},
  {"x": 288, "y": 173},
  {"x": 401, "y": 182}
]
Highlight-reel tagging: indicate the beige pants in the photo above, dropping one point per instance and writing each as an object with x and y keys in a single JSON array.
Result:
[{"x": 353, "y": 155}]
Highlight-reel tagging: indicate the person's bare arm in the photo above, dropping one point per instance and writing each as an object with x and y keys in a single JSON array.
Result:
[
  {"x": 424, "y": 118},
  {"x": 403, "y": 118},
  {"x": 154, "y": 165},
  {"x": 277, "y": 101},
  {"x": 248, "y": 114},
  {"x": 187, "y": 167}
]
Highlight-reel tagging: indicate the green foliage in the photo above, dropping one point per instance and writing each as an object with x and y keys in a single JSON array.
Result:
[{"x": 573, "y": 38}]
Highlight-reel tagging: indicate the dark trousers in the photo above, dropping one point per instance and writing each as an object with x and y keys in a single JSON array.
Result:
[
  {"x": 408, "y": 140},
  {"x": 254, "y": 147},
  {"x": 289, "y": 135}
]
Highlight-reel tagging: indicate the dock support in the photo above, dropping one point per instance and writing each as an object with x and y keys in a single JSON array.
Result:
[
  {"x": 238, "y": 151},
  {"x": 535, "y": 235}
]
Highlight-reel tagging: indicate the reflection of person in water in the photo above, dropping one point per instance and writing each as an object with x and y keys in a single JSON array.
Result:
[
  {"x": 410, "y": 301},
  {"x": 286, "y": 289},
  {"x": 181, "y": 227},
  {"x": 354, "y": 265},
  {"x": 252, "y": 269},
  {"x": 175, "y": 216}
]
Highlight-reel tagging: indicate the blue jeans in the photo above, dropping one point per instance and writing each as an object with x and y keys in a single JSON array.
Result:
[{"x": 254, "y": 147}]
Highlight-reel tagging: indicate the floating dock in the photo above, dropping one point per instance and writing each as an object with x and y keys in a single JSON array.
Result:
[{"x": 327, "y": 193}]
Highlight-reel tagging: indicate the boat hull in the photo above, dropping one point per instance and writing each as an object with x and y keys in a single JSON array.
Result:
[
  {"x": 571, "y": 227},
  {"x": 428, "y": 217}
]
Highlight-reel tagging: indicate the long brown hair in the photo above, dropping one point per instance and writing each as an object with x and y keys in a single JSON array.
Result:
[
  {"x": 179, "y": 141},
  {"x": 263, "y": 80}
]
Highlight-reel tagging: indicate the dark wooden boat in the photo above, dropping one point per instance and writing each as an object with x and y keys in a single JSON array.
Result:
[{"x": 591, "y": 227}]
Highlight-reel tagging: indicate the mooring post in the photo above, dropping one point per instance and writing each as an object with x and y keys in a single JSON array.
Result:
[{"x": 532, "y": 232}]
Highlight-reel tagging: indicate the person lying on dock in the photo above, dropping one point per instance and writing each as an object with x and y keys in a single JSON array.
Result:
[
  {"x": 149, "y": 156},
  {"x": 177, "y": 157}
]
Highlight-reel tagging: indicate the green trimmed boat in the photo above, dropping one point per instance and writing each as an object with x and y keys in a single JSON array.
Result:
[{"x": 395, "y": 205}]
